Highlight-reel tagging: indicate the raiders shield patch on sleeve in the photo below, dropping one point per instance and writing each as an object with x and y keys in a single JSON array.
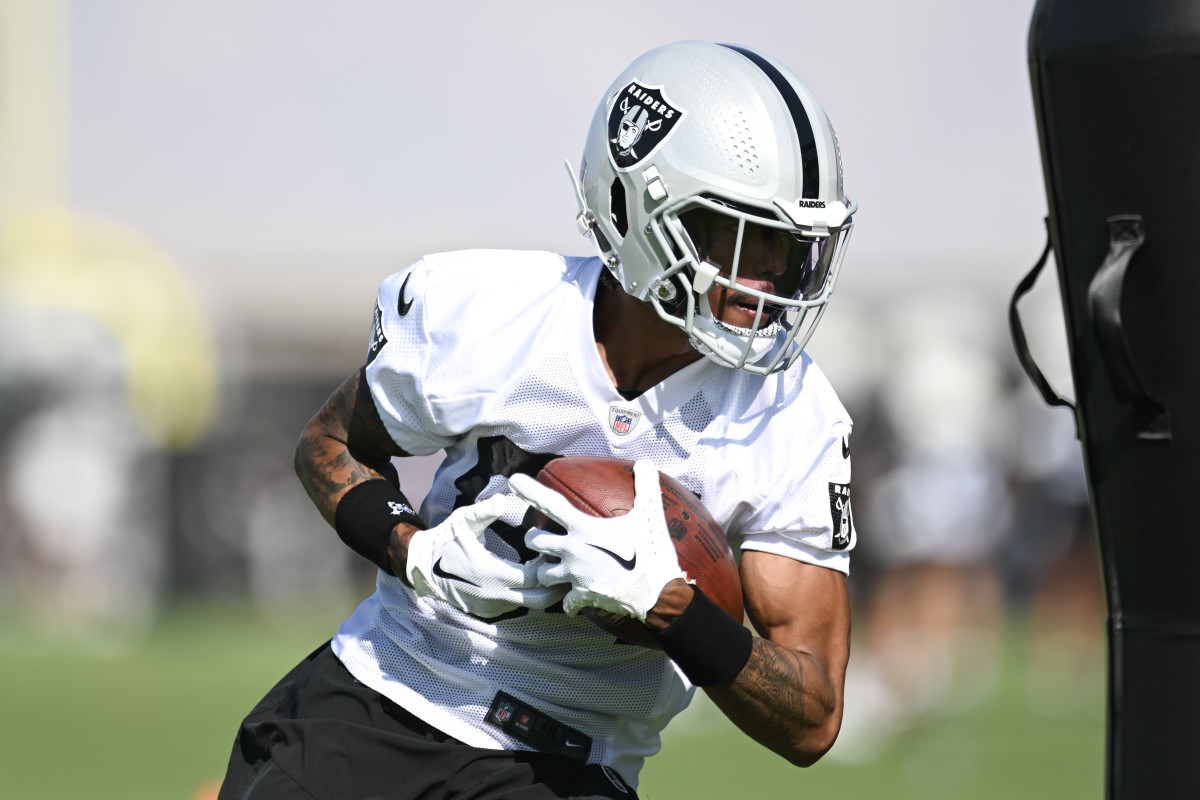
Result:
[
  {"x": 378, "y": 340},
  {"x": 839, "y": 510}
]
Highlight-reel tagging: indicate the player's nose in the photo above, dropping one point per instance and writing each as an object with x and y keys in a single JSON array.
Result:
[{"x": 766, "y": 259}]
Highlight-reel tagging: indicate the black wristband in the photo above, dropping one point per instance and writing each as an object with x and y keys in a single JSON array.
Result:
[
  {"x": 708, "y": 644},
  {"x": 366, "y": 515}
]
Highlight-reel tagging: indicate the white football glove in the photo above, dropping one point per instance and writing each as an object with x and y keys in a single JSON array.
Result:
[
  {"x": 449, "y": 562},
  {"x": 619, "y": 564}
]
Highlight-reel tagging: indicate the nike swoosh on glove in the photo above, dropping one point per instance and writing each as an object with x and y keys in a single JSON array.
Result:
[
  {"x": 450, "y": 562},
  {"x": 619, "y": 564}
]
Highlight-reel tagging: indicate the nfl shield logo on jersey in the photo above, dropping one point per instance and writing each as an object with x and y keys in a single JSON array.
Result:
[
  {"x": 622, "y": 420},
  {"x": 503, "y": 712}
]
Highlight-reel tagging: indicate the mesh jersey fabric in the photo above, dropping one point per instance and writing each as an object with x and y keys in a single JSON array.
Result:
[{"x": 490, "y": 356}]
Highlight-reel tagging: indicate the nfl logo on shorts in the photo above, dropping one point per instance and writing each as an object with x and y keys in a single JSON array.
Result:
[{"x": 622, "y": 420}]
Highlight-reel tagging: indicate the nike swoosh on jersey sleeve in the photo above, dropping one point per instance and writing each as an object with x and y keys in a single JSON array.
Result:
[{"x": 404, "y": 303}]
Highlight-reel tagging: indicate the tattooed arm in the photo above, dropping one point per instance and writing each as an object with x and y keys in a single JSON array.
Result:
[
  {"x": 344, "y": 445},
  {"x": 788, "y": 697}
]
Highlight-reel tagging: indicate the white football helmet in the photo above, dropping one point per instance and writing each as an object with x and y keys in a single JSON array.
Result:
[{"x": 696, "y": 135}]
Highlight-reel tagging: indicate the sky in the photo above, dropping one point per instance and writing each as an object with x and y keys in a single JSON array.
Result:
[{"x": 287, "y": 155}]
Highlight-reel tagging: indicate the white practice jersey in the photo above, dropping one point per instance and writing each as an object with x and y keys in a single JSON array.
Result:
[{"x": 490, "y": 356}]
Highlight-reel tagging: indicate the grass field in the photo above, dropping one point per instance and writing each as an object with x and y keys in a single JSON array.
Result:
[{"x": 156, "y": 721}]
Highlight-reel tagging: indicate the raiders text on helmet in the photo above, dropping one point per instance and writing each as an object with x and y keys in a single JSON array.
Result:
[{"x": 694, "y": 136}]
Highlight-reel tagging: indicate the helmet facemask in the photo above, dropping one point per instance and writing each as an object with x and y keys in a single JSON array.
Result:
[{"x": 746, "y": 283}]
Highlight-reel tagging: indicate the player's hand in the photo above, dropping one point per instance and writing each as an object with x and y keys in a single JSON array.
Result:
[
  {"x": 619, "y": 564},
  {"x": 450, "y": 562}
]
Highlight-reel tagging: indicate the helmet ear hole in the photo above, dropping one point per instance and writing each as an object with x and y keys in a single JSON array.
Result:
[
  {"x": 620, "y": 214},
  {"x": 602, "y": 240}
]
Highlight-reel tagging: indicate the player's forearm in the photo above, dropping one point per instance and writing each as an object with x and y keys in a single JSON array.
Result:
[
  {"x": 343, "y": 445},
  {"x": 782, "y": 698},
  {"x": 784, "y": 701},
  {"x": 326, "y": 468}
]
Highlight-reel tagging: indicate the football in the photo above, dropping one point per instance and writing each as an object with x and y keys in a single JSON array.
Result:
[{"x": 603, "y": 487}]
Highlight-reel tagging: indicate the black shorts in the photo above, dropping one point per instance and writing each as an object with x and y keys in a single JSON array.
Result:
[{"x": 320, "y": 734}]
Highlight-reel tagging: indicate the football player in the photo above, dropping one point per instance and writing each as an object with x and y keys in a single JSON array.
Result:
[{"x": 711, "y": 188}]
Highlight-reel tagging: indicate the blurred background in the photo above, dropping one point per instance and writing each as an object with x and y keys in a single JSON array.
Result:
[{"x": 198, "y": 201}]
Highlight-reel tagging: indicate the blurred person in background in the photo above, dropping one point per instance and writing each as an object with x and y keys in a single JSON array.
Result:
[
  {"x": 1052, "y": 564},
  {"x": 87, "y": 560},
  {"x": 680, "y": 347},
  {"x": 939, "y": 514},
  {"x": 99, "y": 381}
]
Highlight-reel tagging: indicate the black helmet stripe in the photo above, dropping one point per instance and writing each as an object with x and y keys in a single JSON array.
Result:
[{"x": 804, "y": 130}]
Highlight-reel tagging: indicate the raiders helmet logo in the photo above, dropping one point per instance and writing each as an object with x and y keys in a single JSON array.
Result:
[{"x": 639, "y": 119}]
